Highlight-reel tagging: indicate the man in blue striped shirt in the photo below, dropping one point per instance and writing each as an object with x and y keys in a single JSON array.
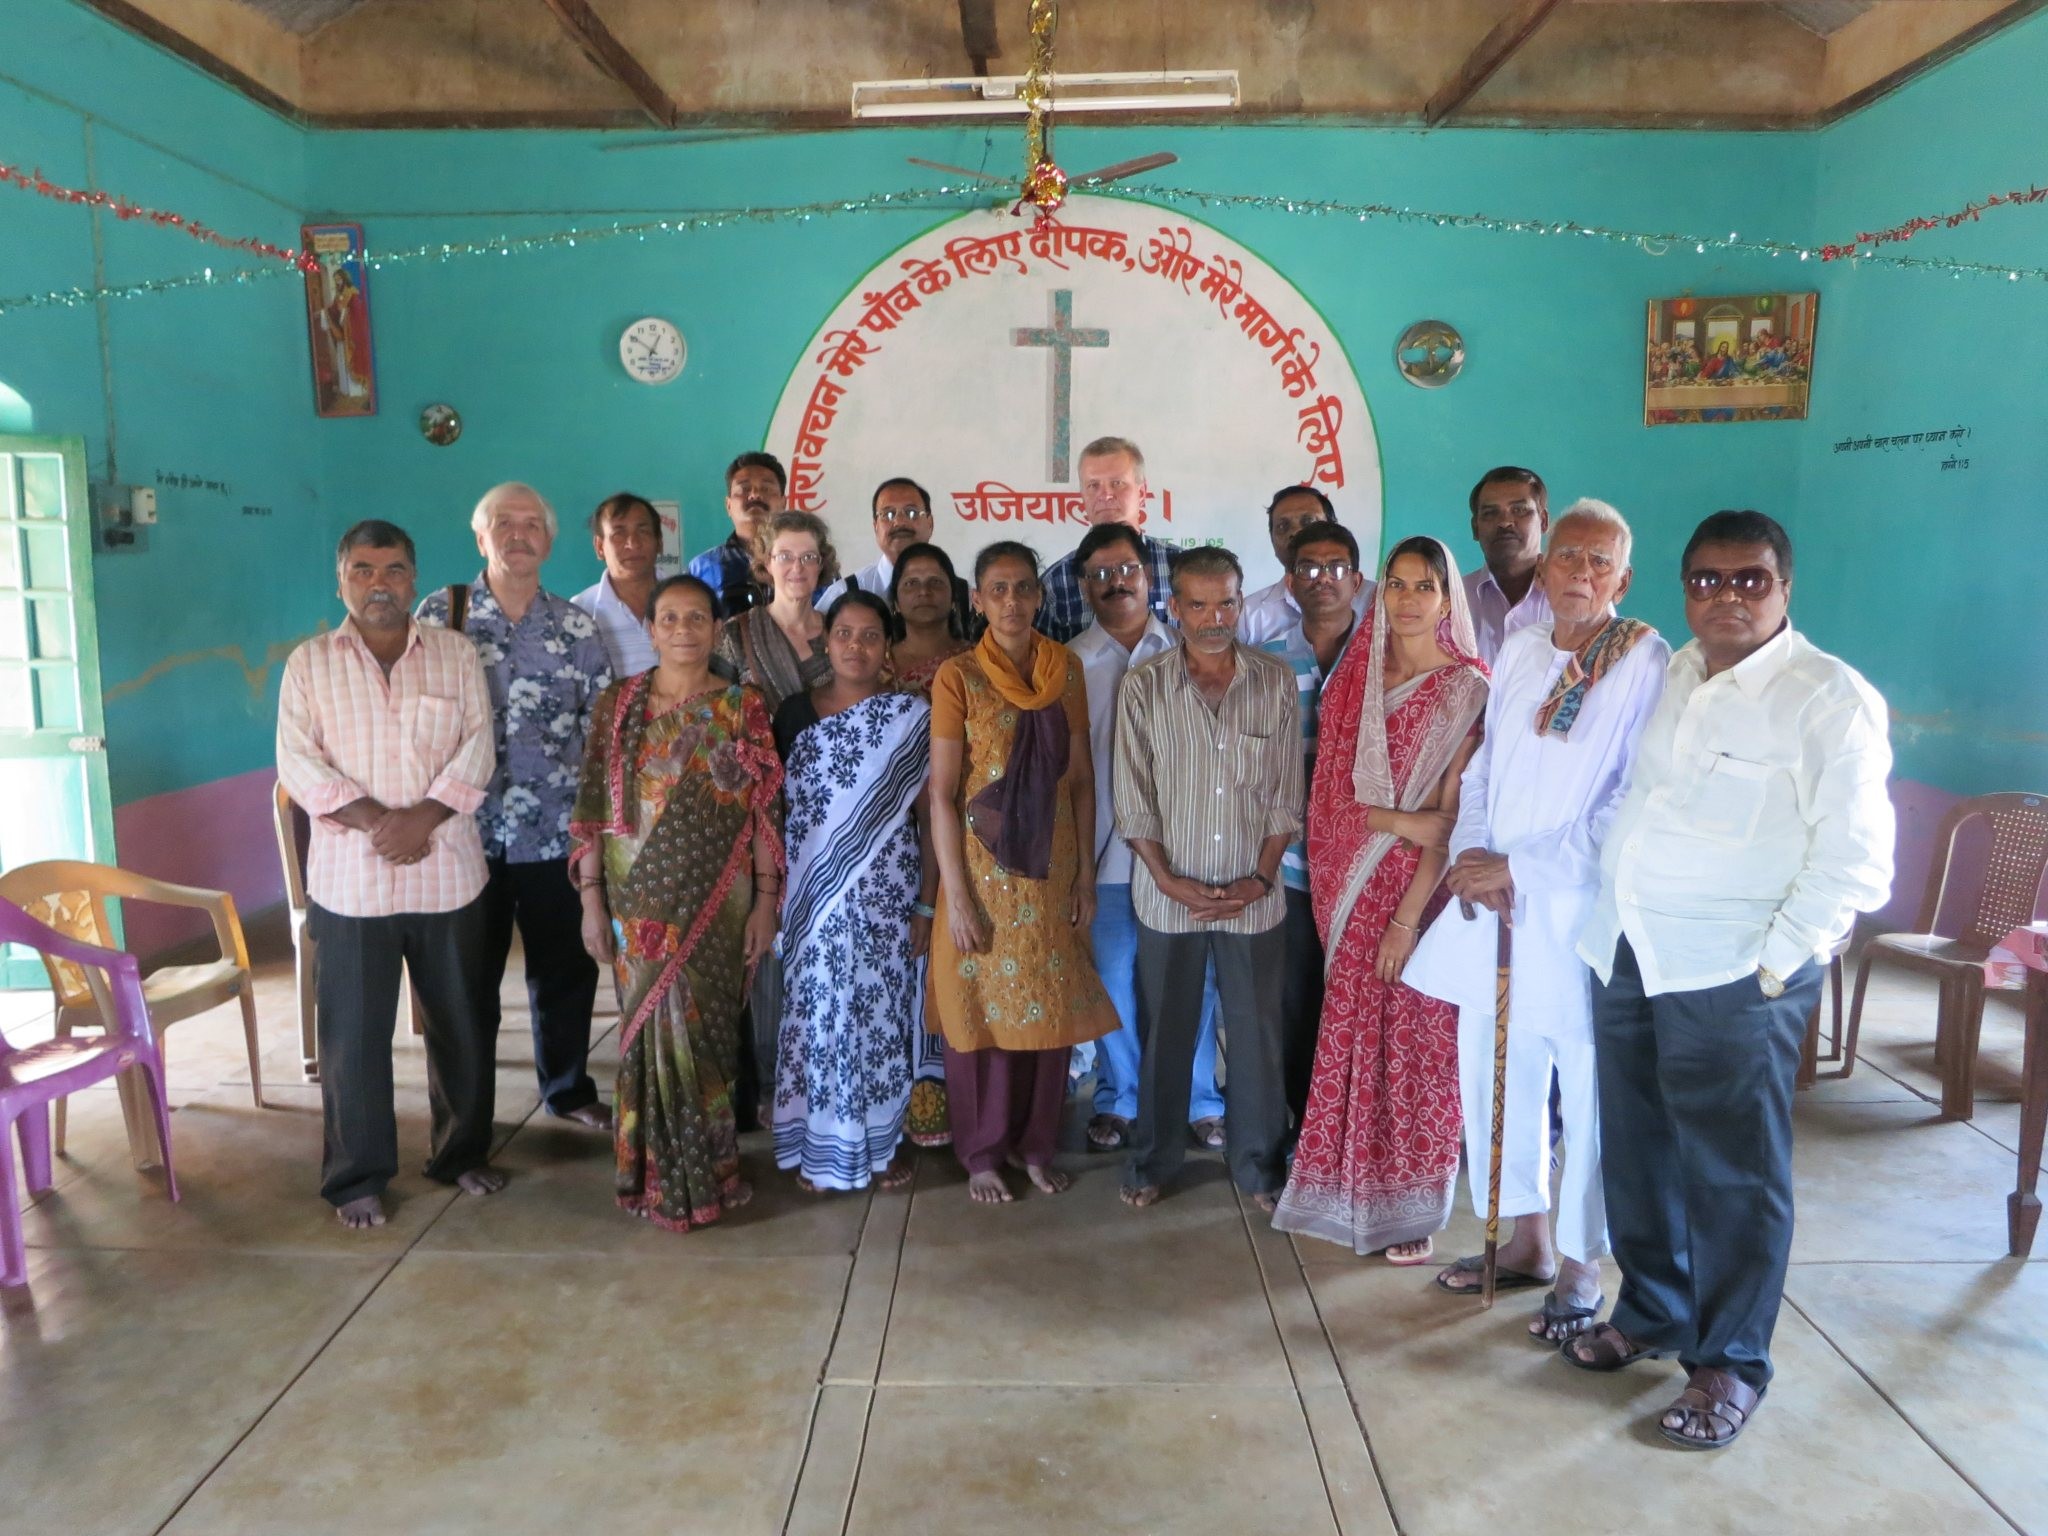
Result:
[{"x": 1324, "y": 579}]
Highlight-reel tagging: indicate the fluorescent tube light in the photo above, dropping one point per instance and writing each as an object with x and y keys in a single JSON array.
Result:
[{"x": 1002, "y": 95}]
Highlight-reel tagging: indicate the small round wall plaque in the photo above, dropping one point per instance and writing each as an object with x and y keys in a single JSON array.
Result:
[
  {"x": 1429, "y": 354},
  {"x": 440, "y": 425}
]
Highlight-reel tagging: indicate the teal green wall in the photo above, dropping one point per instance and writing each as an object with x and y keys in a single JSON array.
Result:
[
  {"x": 525, "y": 347},
  {"x": 211, "y": 383},
  {"x": 1920, "y": 577},
  {"x": 1931, "y": 579}
]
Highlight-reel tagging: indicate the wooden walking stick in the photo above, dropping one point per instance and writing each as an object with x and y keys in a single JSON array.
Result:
[{"x": 1503, "y": 959}]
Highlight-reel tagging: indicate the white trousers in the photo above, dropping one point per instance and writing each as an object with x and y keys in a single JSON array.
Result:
[{"x": 1525, "y": 1131}]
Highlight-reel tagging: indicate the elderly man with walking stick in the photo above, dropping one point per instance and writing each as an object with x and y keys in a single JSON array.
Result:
[{"x": 1569, "y": 699}]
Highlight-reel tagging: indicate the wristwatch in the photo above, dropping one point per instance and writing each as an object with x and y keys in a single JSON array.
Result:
[
  {"x": 1769, "y": 982},
  {"x": 1263, "y": 881}
]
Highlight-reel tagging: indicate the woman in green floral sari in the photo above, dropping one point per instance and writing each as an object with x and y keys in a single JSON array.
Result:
[{"x": 678, "y": 858}]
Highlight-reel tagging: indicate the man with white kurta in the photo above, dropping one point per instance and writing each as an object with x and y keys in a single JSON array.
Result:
[{"x": 1569, "y": 700}]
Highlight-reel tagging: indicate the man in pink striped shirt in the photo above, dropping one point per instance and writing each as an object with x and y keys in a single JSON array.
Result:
[{"x": 384, "y": 736}]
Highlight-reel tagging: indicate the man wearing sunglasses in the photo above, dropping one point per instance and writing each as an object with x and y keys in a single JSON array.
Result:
[
  {"x": 1325, "y": 588},
  {"x": 1756, "y": 827},
  {"x": 1272, "y": 609}
]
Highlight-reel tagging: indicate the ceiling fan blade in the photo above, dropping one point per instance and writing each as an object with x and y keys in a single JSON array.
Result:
[
  {"x": 960, "y": 170},
  {"x": 1125, "y": 168}
]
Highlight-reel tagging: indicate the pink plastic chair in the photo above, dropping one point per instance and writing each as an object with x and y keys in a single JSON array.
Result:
[{"x": 32, "y": 1076}]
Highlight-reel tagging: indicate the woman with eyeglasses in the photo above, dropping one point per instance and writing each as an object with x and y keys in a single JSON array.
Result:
[
  {"x": 857, "y": 918},
  {"x": 928, "y": 625},
  {"x": 779, "y": 647},
  {"x": 921, "y": 591},
  {"x": 1013, "y": 808}
]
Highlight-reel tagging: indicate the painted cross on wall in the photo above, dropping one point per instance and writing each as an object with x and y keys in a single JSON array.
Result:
[{"x": 1061, "y": 338}]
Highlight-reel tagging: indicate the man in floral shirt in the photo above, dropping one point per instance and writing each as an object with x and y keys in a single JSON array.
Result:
[{"x": 546, "y": 665}]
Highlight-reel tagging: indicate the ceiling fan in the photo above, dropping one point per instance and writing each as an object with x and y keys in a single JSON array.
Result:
[{"x": 1082, "y": 182}]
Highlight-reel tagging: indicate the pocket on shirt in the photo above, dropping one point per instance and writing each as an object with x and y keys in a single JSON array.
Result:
[
  {"x": 437, "y": 727},
  {"x": 1728, "y": 799}
]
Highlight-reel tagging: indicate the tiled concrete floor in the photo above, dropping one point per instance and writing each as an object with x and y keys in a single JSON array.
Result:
[{"x": 909, "y": 1363}]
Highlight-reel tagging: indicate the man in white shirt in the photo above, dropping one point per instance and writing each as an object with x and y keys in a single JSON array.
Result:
[
  {"x": 625, "y": 531},
  {"x": 1510, "y": 515},
  {"x": 902, "y": 511},
  {"x": 1756, "y": 827},
  {"x": 1117, "y": 584},
  {"x": 1271, "y": 609},
  {"x": 1568, "y": 702}
]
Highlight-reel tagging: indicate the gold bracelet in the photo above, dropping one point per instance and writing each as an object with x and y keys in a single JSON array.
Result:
[{"x": 1399, "y": 924}]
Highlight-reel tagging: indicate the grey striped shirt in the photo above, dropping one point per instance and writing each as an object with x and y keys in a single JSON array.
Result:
[{"x": 1211, "y": 786}]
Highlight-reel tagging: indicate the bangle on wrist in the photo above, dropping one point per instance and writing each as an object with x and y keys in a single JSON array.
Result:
[
  {"x": 1399, "y": 924},
  {"x": 923, "y": 909}
]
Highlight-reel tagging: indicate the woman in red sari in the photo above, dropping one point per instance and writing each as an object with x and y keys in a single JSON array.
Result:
[{"x": 1378, "y": 1154}]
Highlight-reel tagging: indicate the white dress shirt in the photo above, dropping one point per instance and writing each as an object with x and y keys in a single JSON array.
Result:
[
  {"x": 1756, "y": 824},
  {"x": 1103, "y": 665},
  {"x": 1270, "y": 610},
  {"x": 624, "y": 631},
  {"x": 1546, "y": 802},
  {"x": 1494, "y": 618},
  {"x": 872, "y": 578}
]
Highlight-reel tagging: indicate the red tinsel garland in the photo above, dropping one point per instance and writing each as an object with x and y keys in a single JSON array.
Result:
[
  {"x": 121, "y": 208},
  {"x": 1906, "y": 231}
]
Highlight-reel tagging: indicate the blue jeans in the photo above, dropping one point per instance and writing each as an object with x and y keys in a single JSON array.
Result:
[{"x": 1116, "y": 1056}]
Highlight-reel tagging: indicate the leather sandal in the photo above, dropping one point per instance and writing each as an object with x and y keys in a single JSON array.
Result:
[
  {"x": 1721, "y": 1402},
  {"x": 1606, "y": 1348}
]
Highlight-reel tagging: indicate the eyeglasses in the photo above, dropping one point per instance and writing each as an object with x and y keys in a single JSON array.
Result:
[
  {"x": 1750, "y": 581},
  {"x": 900, "y": 514},
  {"x": 785, "y": 558},
  {"x": 1121, "y": 572},
  {"x": 1316, "y": 570}
]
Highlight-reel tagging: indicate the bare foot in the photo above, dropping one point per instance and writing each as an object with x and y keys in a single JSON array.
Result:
[
  {"x": 480, "y": 1181},
  {"x": 807, "y": 1186},
  {"x": 1048, "y": 1178},
  {"x": 1139, "y": 1196},
  {"x": 360, "y": 1215},
  {"x": 598, "y": 1117},
  {"x": 988, "y": 1189},
  {"x": 901, "y": 1170},
  {"x": 732, "y": 1199},
  {"x": 1266, "y": 1201}
]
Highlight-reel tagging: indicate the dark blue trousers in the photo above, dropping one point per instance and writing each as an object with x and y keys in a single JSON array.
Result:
[
  {"x": 561, "y": 978},
  {"x": 1696, "y": 1132}
]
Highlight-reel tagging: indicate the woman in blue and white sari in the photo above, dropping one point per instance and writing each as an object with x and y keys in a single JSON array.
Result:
[{"x": 857, "y": 914}]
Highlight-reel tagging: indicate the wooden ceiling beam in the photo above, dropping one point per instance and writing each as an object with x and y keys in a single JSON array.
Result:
[
  {"x": 1494, "y": 50},
  {"x": 602, "y": 47},
  {"x": 978, "y": 33}
]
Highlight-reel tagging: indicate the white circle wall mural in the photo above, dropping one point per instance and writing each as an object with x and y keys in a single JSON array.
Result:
[{"x": 979, "y": 358}]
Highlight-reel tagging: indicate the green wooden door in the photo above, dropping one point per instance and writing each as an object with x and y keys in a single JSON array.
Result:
[{"x": 54, "y": 802}]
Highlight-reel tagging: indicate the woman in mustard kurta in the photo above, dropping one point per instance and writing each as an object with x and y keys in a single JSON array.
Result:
[{"x": 1013, "y": 984}]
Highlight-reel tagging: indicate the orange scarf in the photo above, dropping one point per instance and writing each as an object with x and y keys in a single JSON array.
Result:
[{"x": 1048, "y": 680}]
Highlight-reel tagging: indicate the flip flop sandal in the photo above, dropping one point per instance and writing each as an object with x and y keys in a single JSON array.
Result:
[
  {"x": 1504, "y": 1279},
  {"x": 1209, "y": 1132},
  {"x": 1118, "y": 1129},
  {"x": 1612, "y": 1350},
  {"x": 1725, "y": 1402},
  {"x": 1555, "y": 1312},
  {"x": 1427, "y": 1256}
]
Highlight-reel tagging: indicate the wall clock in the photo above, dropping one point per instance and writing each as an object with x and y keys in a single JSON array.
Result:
[{"x": 652, "y": 350}]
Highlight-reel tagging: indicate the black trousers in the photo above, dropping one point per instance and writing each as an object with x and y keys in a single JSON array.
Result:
[
  {"x": 561, "y": 978},
  {"x": 1172, "y": 968},
  {"x": 361, "y": 959},
  {"x": 1301, "y": 1002},
  {"x": 1696, "y": 1132}
]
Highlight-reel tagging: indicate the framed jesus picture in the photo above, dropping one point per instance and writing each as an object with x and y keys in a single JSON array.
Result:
[
  {"x": 1743, "y": 358},
  {"x": 338, "y": 321}
]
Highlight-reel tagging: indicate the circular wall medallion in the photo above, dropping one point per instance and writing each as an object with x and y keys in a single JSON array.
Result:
[
  {"x": 440, "y": 425},
  {"x": 1429, "y": 354}
]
